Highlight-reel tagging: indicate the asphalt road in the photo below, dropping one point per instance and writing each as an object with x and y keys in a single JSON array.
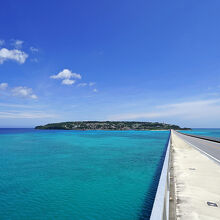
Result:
[{"x": 210, "y": 148}]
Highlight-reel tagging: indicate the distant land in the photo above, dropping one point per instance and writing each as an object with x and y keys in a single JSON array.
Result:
[{"x": 110, "y": 125}]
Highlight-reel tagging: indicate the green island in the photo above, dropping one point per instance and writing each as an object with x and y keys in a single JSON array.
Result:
[{"x": 110, "y": 125}]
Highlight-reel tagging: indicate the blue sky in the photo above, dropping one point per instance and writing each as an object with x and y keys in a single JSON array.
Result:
[{"x": 110, "y": 60}]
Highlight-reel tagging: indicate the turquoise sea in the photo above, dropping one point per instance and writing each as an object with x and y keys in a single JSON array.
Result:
[
  {"x": 214, "y": 132},
  {"x": 79, "y": 175}
]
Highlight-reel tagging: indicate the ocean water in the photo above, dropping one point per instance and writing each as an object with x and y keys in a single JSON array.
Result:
[
  {"x": 79, "y": 175},
  {"x": 209, "y": 132}
]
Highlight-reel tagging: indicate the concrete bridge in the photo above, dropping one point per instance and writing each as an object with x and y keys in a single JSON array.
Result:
[{"x": 189, "y": 186}]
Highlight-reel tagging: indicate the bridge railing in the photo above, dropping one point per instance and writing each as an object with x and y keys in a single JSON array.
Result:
[{"x": 160, "y": 209}]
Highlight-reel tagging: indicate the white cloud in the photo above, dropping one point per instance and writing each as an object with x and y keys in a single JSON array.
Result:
[
  {"x": 19, "y": 91},
  {"x": 82, "y": 84},
  {"x": 2, "y": 42},
  {"x": 91, "y": 84},
  {"x": 16, "y": 55},
  {"x": 34, "y": 50},
  {"x": 23, "y": 92},
  {"x": 199, "y": 109},
  {"x": 68, "y": 81},
  {"x": 67, "y": 76},
  {"x": 3, "y": 85},
  {"x": 17, "y": 43},
  {"x": 95, "y": 90}
]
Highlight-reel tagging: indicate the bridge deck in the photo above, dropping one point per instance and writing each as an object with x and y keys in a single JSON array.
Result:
[
  {"x": 196, "y": 179},
  {"x": 211, "y": 148}
]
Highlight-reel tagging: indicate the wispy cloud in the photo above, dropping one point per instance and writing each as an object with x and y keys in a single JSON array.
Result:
[
  {"x": 2, "y": 42},
  {"x": 95, "y": 90},
  {"x": 194, "y": 110},
  {"x": 29, "y": 115},
  {"x": 66, "y": 76},
  {"x": 17, "y": 43},
  {"x": 34, "y": 60},
  {"x": 22, "y": 91},
  {"x": 11, "y": 105},
  {"x": 34, "y": 50},
  {"x": 16, "y": 55},
  {"x": 82, "y": 84},
  {"x": 3, "y": 86},
  {"x": 86, "y": 84},
  {"x": 91, "y": 83}
]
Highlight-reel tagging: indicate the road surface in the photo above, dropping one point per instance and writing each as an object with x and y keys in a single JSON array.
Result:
[{"x": 210, "y": 148}]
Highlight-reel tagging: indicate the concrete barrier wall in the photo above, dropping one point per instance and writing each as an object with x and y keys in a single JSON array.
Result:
[{"x": 160, "y": 209}]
